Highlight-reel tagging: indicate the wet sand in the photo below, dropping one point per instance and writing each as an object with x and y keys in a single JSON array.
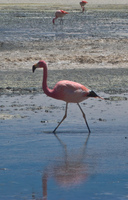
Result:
[
  {"x": 35, "y": 163},
  {"x": 99, "y": 64}
]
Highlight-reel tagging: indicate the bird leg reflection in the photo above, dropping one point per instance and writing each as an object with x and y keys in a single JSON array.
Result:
[
  {"x": 44, "y": 185},
  {"x": 71, "y": 171},
  {"x": 65, "y": 148},
  {"x": 61, "y": 21},
  {"x": 84, "y": 117},
  {"x": 62, "y": 119}
]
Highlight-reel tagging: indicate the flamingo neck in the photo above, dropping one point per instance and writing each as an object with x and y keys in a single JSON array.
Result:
[{"x": 45, "y": 88}]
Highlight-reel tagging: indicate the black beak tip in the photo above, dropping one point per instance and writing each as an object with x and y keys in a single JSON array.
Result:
[
  {"x": 93, "y": 94},
  {"x": 33, "y": 68}
]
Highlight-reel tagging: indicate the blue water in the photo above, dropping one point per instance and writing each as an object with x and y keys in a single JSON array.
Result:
[{"x": 71, "y": 164}]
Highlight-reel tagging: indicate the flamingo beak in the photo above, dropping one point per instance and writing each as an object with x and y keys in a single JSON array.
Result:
[
  {"x": 33, "y": 68},
  {"x": 100, "y": 97},
  {"x": 93, "y": 94}
]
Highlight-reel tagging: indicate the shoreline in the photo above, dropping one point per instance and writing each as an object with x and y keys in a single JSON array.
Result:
[
  {"x": 72, "y": 8},
  {"x": 109, "y": 81},
  {"x": 64, "y": 2}
]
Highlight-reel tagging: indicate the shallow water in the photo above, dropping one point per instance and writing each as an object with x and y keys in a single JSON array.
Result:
[
  {"x": 35, "y": 163},
  {"x": 24, "y": 25},
  {"x": 96, "y": 39}
]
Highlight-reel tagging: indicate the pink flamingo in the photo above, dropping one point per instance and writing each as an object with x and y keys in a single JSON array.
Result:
[
  {"x": 68, "y": 91},
  {"x": 82, "y": 4},
  {"x": 59, "y": 13}
]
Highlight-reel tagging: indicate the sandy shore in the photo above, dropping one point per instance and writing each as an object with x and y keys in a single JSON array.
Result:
[
  {"x": 71, "y": 2},
  {"x": 67, "y": 53},
  {"x": 104, "y": 60}
]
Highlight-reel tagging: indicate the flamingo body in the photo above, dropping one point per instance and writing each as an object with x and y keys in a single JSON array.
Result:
[
  {"x": 68, "y": 91},
  {"x": 59, "y": 14}
]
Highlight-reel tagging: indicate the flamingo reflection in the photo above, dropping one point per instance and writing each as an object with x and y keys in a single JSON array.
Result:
[{"x": 71, "y": 172}]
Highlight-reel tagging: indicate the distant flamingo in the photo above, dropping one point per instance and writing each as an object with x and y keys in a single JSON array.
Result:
[
  {"x": 59, "y": 13},
  {"x": 68, "y": 91},
  {"x": 82, "y": 4}
]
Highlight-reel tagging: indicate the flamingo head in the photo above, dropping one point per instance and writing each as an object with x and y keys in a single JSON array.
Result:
[
  {"x": 93, "y": 94},
  {"x": 84, "y": 2},
  {"x": 40, "y": 64}
]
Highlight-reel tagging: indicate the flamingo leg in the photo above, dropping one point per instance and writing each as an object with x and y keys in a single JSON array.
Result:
[
  {"x": 65, "y": 115},
  {"x": 61, "y": 21},
  {"x": 84, "y": 117}
]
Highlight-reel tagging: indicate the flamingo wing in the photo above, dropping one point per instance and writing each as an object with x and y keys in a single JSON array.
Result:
[
  {"x": 64, "y": 12},
  {"x": 70, "y": 91}
]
